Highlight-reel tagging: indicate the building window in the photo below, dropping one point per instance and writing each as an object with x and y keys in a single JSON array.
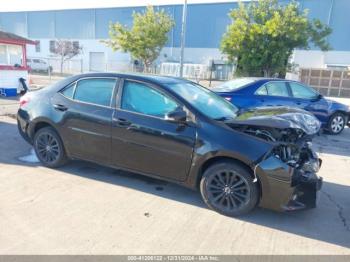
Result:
[
  {"x": 76, "y": 45},
  {"x": 15, "y": 54},
  {"x": 52, "y": 46},
  {"x": 37, "y": 46},
  {"x": 56, "y": 46},
  {"x": 3, "y": 55},
  {"x": 11, "y": 55}
]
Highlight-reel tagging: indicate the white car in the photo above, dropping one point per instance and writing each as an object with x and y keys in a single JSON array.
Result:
[{"x": 37, "y": 64}]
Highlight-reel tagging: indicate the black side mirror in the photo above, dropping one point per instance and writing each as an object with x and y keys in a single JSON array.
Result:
[
  {"x": 178, "y": 115},
  {"x": 317, "y": 98}
]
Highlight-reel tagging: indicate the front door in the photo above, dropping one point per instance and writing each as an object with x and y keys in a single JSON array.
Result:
[
  {"x": 308, "y": 99},
  {"x": 143, "y": 140}
]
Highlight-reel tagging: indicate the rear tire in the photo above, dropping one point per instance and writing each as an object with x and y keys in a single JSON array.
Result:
[
  {"x": 336, "y": 123},
  {"x": 227, "y": 187},
  {"x": 49, "y": 148}
]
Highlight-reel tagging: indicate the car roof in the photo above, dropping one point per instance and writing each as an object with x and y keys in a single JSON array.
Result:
[
  {"x": 265, "y": 79},
  {"x": 250, "y": 86},
  {"x": 262, "y": 80},
  {"x": 141, "y": 77}
]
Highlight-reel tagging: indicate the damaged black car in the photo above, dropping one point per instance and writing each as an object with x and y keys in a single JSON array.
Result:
[{"x": 176, "y": 130}]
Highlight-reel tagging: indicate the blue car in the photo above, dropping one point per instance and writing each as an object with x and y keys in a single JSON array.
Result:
[{"x": 247, "y": 93}]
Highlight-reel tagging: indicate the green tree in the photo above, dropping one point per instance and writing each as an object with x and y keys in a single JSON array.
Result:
[
  {"x": 145, "y": 39},
  {"x": 263, "y": 35}
]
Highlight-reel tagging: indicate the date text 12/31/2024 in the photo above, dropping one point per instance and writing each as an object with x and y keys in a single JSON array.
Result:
[{"x": 173, "y": 258}]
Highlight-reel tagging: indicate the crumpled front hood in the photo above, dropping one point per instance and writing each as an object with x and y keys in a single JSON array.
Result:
[{"x": 279, "y": 117}]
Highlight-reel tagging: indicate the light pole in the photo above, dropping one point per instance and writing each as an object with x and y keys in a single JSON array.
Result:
[{"x": 183, "y": 36}]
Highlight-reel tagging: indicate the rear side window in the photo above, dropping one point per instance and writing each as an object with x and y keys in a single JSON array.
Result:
[
  {"x": 95, "y": 91},
  {"x": 68, "y": 91},
  {"x": 262, "y": 91},
  {"x": 277, "y": 89}
]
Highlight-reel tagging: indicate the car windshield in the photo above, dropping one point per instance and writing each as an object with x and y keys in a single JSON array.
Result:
[
  {"x": 233, "y": 84},
  {"x": 205, "y": 101}
]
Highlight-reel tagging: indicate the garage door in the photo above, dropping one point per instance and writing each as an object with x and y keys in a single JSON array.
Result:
[{"x": 97, "y": 61}]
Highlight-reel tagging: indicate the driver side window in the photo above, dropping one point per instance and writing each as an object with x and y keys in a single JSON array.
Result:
[
  {"x": 301, "y": 91},
  {"x": 140, "y": 98}
]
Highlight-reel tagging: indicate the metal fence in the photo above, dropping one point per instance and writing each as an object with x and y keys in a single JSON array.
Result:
[
  {"x": 328, "y": 82},
  {"x": 52, "y": 66}
]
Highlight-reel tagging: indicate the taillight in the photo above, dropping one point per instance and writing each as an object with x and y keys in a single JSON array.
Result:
[{"x": 23, "y": 101}]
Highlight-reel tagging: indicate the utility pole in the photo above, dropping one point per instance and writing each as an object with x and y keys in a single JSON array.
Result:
[{"x": 183, "y": 36}]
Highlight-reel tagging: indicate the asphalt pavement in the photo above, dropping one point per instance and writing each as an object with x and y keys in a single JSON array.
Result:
[{"x": 84, "y": 208}]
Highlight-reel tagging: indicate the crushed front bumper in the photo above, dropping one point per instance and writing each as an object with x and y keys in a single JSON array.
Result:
[
  {"x": 306, "y": 192},
  {"x": 285, "y": 188}
]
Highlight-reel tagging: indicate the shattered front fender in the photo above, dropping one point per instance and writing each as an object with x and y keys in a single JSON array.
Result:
[
  {"x": 279, "y": 189},
  {"x": 276, "y": 178}
]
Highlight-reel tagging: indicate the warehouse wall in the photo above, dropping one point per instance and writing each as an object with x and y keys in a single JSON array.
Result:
[{"x": 205, "y": 26}]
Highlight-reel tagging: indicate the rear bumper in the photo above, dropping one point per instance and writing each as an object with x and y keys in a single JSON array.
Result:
[
  {"x": 285, "y": 188},
  {"x": 23, "y": 125}
]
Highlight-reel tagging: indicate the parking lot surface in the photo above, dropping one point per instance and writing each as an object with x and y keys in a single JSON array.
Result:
[{"x": 87, "y": 209}]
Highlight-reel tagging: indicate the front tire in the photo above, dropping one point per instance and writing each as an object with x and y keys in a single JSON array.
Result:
[
  {"x": 49, "y": 148},
  {"x": 336, "y": 123},
  {"x": 227, "y": 187}
]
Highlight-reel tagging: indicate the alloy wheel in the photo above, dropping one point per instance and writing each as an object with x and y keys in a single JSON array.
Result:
[
  {"x": 337, "y": 124},
  {"x": 228, "y": 190},
  {"x": 47, "y": 147}
]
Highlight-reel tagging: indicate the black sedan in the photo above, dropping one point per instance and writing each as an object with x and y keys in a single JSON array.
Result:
[{"x": 177, "y": 130}]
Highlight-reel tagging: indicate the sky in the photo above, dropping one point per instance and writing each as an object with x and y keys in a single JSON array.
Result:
[{"x": 36, "y": 5}]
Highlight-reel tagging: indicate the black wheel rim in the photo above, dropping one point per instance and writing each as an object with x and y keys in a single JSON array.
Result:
[
  {"x": 228, "y": 190},
  {"x": 47, "y": 148}
]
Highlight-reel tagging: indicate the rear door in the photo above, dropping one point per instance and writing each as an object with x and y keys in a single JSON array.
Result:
[
  {"x": 274, "y": 93},
  {"x": 143, "y": 140},
  {"x": 86, "y": 112}
]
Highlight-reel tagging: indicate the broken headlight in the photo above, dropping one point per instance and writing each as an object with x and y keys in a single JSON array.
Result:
[{"x": 312, "y": 123}]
